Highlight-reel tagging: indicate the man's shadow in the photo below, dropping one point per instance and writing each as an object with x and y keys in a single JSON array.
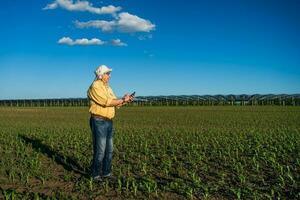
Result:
[{"x": 67, "y": 162}]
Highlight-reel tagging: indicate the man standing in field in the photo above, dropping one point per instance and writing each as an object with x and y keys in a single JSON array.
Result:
[{"x": 102, "y": 108}]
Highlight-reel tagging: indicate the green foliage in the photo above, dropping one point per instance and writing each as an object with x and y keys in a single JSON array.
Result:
[{"x": 159, "y": 152}]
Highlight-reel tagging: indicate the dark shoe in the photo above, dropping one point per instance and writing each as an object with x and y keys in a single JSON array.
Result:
[
  {"x": 97, "y": 179},
  {"x": 110, "y": 178}
]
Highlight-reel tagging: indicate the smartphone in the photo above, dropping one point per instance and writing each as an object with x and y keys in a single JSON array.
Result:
[{"x": 132, "y": 94}]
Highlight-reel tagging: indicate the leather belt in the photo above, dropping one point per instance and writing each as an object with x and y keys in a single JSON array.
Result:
[{"x": 101, "y": 117}]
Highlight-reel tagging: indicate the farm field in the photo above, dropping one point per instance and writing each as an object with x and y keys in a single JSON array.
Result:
[{"x": 216, "y": 152}]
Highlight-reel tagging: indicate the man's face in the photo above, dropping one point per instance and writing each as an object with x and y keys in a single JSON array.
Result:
[{"x": 106, "y": 77}]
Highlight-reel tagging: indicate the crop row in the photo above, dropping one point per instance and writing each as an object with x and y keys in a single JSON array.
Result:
[{"x": 176, "y": 152}]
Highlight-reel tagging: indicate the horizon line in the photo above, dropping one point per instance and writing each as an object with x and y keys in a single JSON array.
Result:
[{"x": 260, "y": 94}]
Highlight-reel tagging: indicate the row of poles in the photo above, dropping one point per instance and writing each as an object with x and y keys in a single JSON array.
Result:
[{"x": 149, "y": 102}]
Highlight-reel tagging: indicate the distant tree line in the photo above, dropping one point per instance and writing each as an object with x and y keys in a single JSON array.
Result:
[{"x": 182, "y": 100}]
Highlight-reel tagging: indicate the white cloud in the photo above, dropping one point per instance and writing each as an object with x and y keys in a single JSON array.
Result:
[
  {"x": 125, "y": 23},
  {"x": 65, "y": 40},
  {"x": 51, "y": 6},
  {"x": 117, "y": 42},
  {"x": 83, "y": 41},
  {"x": 132, "y": 23},
  {"x": 105, "y": 26},
  {"x": 122, "y": 22},
  {"x": 82, "y": 6}
]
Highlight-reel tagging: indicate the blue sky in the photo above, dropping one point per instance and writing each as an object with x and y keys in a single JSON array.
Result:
[{"x": 50, "y": 48}]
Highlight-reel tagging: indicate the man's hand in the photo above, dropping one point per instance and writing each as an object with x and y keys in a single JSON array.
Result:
[
  {"x": 126, "y": 99},
  {"x": 131, "y": 98}
]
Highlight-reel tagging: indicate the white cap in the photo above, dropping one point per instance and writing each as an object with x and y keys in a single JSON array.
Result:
[{"x": 102, "y": 69}]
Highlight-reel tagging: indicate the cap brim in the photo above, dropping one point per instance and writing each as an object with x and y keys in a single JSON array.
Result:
[{"x": 107, "y": 70}]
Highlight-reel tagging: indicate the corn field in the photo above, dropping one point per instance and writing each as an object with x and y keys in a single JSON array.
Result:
[{"x": 207, "y": 152}]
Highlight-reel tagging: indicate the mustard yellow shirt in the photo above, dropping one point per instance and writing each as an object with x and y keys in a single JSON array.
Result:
[{"x": 100, "y": 96}]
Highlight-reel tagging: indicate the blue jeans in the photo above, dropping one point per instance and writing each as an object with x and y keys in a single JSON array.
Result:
[{"x": 102, "y": 134}]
